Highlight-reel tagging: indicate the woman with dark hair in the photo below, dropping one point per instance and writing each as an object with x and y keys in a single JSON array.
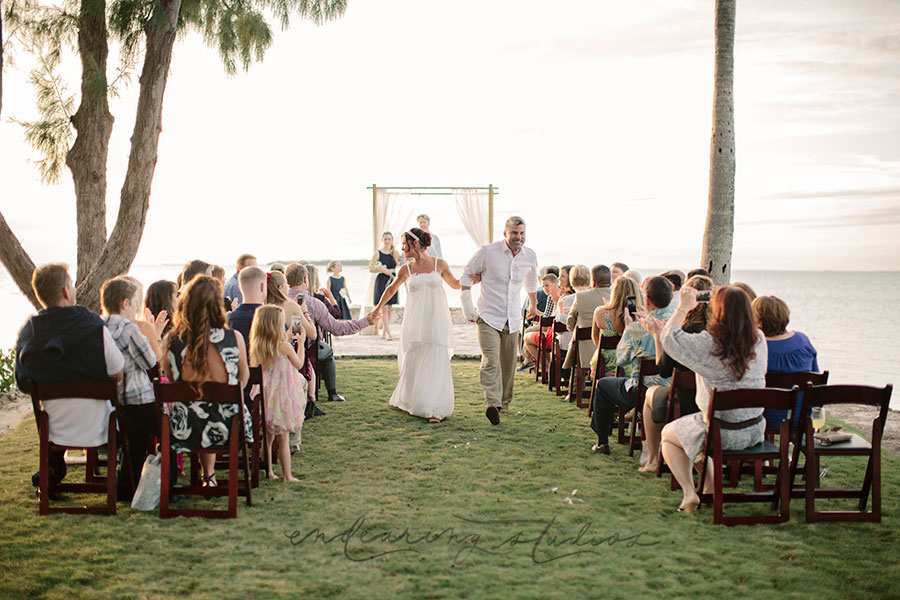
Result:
[
  {"x": 425, "y": 385},
  {"x": 384, "y": 262},
  {"x": 657, "y": 397},
  {"x": 730, "y": 354},
  {"x": 199, "y": 349},
  {"x": 162, "y": 296}
]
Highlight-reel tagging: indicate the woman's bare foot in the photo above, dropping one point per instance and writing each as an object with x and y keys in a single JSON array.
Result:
[
  {"x": 690, "y": 503},
  {"x": 649, "y": 468},
  {"x": 291, "y": 478},
  {"x": 434, "y": 420},
  {"x": 272, "y": 476}
]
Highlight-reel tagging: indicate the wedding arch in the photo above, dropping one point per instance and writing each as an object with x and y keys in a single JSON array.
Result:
[{"x": 392, "y": 210}]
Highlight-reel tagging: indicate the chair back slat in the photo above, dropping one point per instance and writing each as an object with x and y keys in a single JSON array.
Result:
[
  {"x": 182, "y": 392},
  {"x": 609, "y": 342},
  {"x": 255, "y": 376},
  {"x": 752, "y": 398},
  {"x": 786, "y": 381},
  {"x": 94, "y": 389},
  {"x": 559, "y": 327},
  {"x": 583, "y": 334}
]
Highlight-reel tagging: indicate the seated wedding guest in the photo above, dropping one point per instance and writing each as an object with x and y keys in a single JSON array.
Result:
[
  {"x": 657, "y": 397},
  {"x": 232, "y": 286},
  {"x": 252, "y": 281},
  {"x": 140, "y": 347},
  {"x": 550, "y": 284},
  {"x": 582, "y": 314},
  {"x": 192, "y": 269},
  {"x": 676, "y": 278},
  {"x": 746, "y": 289},
  {"x": 609, "y": 319},
  {"x": 730, "y": 354},
  {"x": 634, "y": 275},
  {"x": 323, "y": 294},
  {"x": 580, "y": 281},
  {"x": 202, "y": 348},
  {"x": 218, "y": 272},
  {"x": 564, "y": 284},
  {"x": 338, "y": 287},
  {"x": 703, "y": 272},
  {"x": 617, "y": 269},
  {"x": 434, "y": 249},
  {"x": 276, "y": 266},
  {"x": 325, "y": 322},
  {"x": 296, "y": 274},
  {"x": 636, "y": 343},
  {"x": 789, "y": 351},
  {"x": 65, "y": 343},
  {"x": 161, "y": 298}
]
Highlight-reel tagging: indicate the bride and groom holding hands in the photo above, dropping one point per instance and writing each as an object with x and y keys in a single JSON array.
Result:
[{"x": 425, "y": 384}]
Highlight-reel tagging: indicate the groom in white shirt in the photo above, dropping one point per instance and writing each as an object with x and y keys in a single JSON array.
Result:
[{"x": 504, "y": 266}]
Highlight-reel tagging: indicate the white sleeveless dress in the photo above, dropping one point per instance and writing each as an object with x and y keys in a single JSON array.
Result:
[{"x": 425, "y": 386}]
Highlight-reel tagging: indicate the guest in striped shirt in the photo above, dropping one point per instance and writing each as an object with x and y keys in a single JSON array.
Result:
[{"x": 550, "y": 284}]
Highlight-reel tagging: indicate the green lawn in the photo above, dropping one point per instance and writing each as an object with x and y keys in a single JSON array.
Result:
[{"x": 396, "y": 481}]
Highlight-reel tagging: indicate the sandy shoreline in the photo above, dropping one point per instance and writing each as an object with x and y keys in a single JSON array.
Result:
[{"x": 16, "y": 407}]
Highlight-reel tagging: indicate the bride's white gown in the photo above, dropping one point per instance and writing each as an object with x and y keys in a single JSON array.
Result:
[{"x": 425, "y": 387}]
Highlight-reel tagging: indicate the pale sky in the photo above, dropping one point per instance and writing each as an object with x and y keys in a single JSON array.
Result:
[{"x": 592, "y": 117}]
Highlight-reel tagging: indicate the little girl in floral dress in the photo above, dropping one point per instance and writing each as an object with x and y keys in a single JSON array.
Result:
[{"x": 284, "y": 389}]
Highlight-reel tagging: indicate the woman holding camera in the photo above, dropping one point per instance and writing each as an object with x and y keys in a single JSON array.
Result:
[
  {"x": 730, "y": 354},
  {"x": 609, "y": 319}
]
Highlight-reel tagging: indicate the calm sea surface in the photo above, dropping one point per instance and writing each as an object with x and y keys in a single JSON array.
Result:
[{"x": 837, "y": 310}]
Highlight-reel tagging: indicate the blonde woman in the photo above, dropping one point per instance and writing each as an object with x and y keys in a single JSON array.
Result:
[{"x": 609, "y": 319}]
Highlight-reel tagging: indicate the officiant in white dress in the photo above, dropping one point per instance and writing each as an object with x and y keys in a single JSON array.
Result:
[{"x": 425, "y": 385}]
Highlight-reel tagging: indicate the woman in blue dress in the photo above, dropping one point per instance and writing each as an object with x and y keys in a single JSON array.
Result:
[
  {"x": 389, "y": 258},
  {"x": 338, "y": 287},
  {"x": 789, "y": 351}
]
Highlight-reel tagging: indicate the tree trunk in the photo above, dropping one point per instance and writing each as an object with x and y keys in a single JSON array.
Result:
[
  {"x": 119, "y": 252},
  {"x": 93, "y": 122},
  {"x": 17, "y": 261},
  {"x": 719, "y": 234}
]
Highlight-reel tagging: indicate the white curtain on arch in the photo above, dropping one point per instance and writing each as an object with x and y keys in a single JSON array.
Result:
[
  {"x": 473, "y": 208},
  {"x": 392, "y": 213}
]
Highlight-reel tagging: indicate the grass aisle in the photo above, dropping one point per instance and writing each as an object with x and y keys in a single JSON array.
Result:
[{"x": 369, "y": 464}]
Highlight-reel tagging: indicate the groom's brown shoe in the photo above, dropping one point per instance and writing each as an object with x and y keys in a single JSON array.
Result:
[{"x": 493, "y": 415}]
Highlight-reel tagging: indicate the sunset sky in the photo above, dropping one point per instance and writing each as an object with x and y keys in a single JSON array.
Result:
[{"x": 592, "y": 117}]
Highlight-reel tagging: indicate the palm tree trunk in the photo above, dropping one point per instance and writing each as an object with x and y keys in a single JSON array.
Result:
[
  {"x": 134, "y": 202},
  {"x": 719, "y": 233}
]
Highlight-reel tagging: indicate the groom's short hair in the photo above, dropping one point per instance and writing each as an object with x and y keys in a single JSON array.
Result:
[{"x": 514, "y": 222}]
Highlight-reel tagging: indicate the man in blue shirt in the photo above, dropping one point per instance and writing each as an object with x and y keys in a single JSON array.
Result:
[{"x": 232, "y": 286}]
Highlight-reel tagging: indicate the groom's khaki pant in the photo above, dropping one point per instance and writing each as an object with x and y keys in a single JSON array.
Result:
[{"x": 498, "y": 363}]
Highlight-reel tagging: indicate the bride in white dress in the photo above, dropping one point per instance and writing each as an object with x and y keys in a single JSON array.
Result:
[{"x": 425, "y": 386}]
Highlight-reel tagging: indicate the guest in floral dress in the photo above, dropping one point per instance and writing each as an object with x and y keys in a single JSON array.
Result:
[
  {"x": 200, "y": 349},
  {"x": 730, "y": 354}
]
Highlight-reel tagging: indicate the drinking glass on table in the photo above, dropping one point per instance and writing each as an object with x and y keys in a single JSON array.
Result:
[{"x": 818, "y": 417}]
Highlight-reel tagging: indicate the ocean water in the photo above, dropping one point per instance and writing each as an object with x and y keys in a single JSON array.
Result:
[{"x": 841, "y": 312}]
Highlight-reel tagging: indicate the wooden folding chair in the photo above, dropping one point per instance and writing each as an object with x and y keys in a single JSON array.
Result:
[
  {"x": 259, "y": 459},
  {"x": 828, "y": 395},
  {"x": 556, "y": 359},
  {"x": 220, "y": 393},
  {"x": 100, "y": 391},
  {"x": 647, "y": 368},
  {"x": 765, "y": 450},
  {"x": 540, "y": 368},
  {"x": 606, "y": 343},
  {"x": 784, "y": 381},
  {"x": 682, "y": 379},
  {"x": 580, "y": 371}
]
